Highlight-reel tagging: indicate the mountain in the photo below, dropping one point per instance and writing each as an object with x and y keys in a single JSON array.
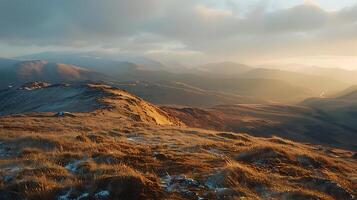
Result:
[
  {"x": 253, "y": 88},
  {"x": 118, "y": 146},
  {"x": 158, "y": 86},
  {"x": 339, "y": 110},
  {"x": 226, "y": 69},
  {"x": 343, "y": 75},
  {"x": 345, "y": 91},
  {"x": 318, "y": 85},
  {"x": 109, "y": 65},
  {"x": 261, "y": 88},
  {"x": 19, "y": 72},
  {"x": 7, "y": 62},
  {"x": 347, "y": 101},
  {"x": 351, "y": 96},
  {"x": 227, "y": 77}
]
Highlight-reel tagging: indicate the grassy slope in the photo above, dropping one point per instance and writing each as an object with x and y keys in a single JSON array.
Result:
[
  {"x": 299, "y": 123},
  {"x": 44, "y": 157},
  {"x": 131, "y": 149}
]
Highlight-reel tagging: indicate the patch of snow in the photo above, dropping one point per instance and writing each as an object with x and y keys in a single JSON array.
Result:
[
  {"x": 65, "y": 196},
  {"x": 73, "y": 165},
  {"x": 10, "y": 173},
  {"x": 84, "y": 195},
  {"x": 134, "y": 138},
  {"x": 64, "y": 114},
  {"x": 102, "y": 194},
  {"x": 68, "y": 196}
]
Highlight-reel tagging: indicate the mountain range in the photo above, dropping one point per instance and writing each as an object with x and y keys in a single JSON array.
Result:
[{"x": 226, "y": 78}]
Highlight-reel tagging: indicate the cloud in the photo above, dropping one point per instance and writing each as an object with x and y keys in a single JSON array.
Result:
[
  {"x": 199, "y": 27},
  {"x": 212, "y": 12}
]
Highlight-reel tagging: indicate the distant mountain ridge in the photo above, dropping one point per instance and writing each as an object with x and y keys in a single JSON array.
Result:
[
  {"x": 228, "y": 69},
  {"x": 19, "y": 72},
  {"x": 109, "y": 65},
  {"x": 230, "y": 78},
  {"x": 314, "y": 83}
]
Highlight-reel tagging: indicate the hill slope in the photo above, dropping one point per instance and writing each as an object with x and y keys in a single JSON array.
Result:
[
  {"x": 177, "y": 93},
  {"x": 19, "y": 72},
  {"x": 92, "y": 98},
  {"x": 296, "y": 122},
  {"x": 100, "y": 156},
  {"x": 122, "y": 147}
]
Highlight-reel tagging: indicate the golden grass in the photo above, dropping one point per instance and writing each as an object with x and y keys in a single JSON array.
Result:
[{"x": 89, "y": 153}]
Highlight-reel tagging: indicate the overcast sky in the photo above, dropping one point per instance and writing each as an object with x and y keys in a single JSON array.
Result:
[{"x": 250, "y": 31}]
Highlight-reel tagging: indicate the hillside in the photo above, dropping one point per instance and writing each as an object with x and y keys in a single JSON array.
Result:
[
  {"x": 103, "y": 155},
  {"x": 340, "y": 110},
  {"x": 177, "y": 93},
  {"x": 347, "y": 99},
  {"x": 84, "y": 98},
  {"x": 296, "y": 122},
  {"x": 260, "y": 88},
  {"x": 19, "y": 72},
  {"x": 345, "y": 91}
]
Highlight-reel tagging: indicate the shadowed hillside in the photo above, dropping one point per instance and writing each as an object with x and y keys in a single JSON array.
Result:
[
  {"x": 177, "y": 93},
  {"x": 299, "y": 123}
]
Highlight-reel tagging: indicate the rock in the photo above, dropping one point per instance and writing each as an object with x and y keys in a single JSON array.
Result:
[
  {"x": 182, "y": 185},
  {"x": 176, "y": 183}
]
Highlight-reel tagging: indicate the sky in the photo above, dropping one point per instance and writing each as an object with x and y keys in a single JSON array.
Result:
[{"x": 307, "y": 32}]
